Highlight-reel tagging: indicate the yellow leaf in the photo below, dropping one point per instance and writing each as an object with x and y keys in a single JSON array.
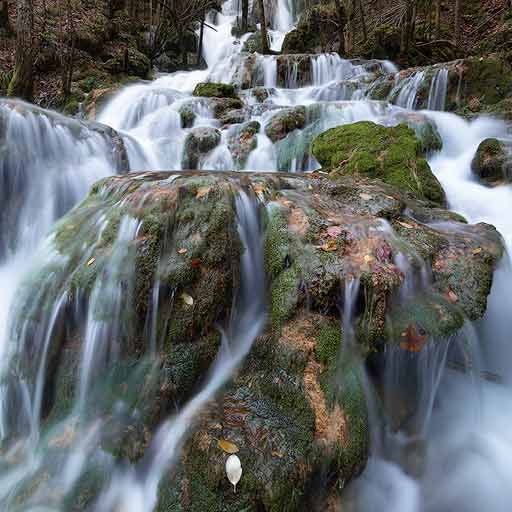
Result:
[
  {"x": 329, "y": 246},
  {"x": 202, "y": 192},
  {"x": 227, "y": 446},
  {"x": 182, "y": 251},
  {"x": 478, "y": 250},
  {"x": 259, "y": 188},
  {"x": 368, "y": 258},
  {"x": 91, "y": 261},
  {"x": 187, "y": 299},
  {"x": 405, "y": 225}
]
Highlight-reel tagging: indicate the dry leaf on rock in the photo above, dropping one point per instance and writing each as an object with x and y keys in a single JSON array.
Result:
[{"x": 227, "y": 446}]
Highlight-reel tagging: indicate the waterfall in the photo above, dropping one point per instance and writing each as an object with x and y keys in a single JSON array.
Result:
[
  {"x": 438, "y": 88},
  {"x": 439, "y": 431}
]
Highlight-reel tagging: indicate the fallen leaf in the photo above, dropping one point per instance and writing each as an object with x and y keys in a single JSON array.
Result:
[
  {"x": 202, "y": 192},
  {"x": 413, "y": 341},
  {"x": 329, "y": 246},
  {"x": 91, "y": 261},
  {"x": 182, "y": 251},
  {"x": 196, "y": 262},
  {"x": 365, "y": 197},
  {"x": 405, "y": 225},
  {"x": 452, "y": 296},
  {"x": 334, "y": 231},
  {"x": 368, "y": 258},
  {"x": 478, "y": 250},
  {"x": 227, "y": 446},
  {"x": 187, "y": 299},
  {"x": 259, "y": 188},
  {"x": 277, "y": 454}
]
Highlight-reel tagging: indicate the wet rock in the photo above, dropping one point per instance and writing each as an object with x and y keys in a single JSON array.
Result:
[
  {"x": 215, "y": 90},
  {"x": 220, "y": 106},
  {"x": 294, "y": 70},
  {"x": 188, "y": 115},
  {"x": 199, "y": 142},
  {"x": 296, "y": 409},
  {"x": 253, "y": 44},
  {"x": 242, "y": 140},
  {"x": 236, "y": 116},
  {"x": 394, "y": 155},
  {"x": 284, "y": 122},
  {"x": 493, "y": 162},
  {"x": 262, "y": 93}
]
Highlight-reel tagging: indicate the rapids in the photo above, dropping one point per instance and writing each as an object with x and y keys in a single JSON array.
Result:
[{"x": 461, "y": 428}]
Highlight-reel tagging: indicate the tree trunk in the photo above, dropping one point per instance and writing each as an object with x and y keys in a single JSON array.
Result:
[
  {"x": 457, "y": 29},
  {"x": 408, "y": 22},
  {"x": 341, "y": 25},
  {"x": 22, "y": 82},
  {"x": 4, "y": 16},
  {"x": 264, "y": 33},
  {"x": 363, "y": 21},
  {"x": 438, "y": 19},
  {"x": 245, "y": 16},
  {"x": 201, "y": 37}
]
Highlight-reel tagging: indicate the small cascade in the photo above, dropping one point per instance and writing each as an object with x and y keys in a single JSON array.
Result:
[
  {"x": 405, "y": 94},
  {"x": 438, "y": 88},
  {"x": 50, "y": 162}
]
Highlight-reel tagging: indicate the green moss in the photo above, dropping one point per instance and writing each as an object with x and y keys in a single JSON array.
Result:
[
  {"x": 393, "y": 155},
  {"x": 328, "y": 341},
  {"x": 215, "y": 90}
]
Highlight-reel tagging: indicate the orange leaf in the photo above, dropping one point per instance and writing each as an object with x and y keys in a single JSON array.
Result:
[{"x": 202, "y": 192}]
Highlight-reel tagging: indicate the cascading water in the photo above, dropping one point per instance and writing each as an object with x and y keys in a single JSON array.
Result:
[{"x": 450, "y": 452}]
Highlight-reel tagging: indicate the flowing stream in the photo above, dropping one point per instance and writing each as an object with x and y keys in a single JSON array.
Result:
[{"x": 462, "y": 422}]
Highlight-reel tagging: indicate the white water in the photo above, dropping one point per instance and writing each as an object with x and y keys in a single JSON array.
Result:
[{"x": 467, "y": 434}]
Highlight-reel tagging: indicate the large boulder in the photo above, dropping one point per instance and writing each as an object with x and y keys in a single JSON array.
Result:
[
  {"x": 296, "y": 411},
  {"x": 198, "y": 143},
  {"x": 391, "y": 154},
  {"x": 493, "y": 162}
]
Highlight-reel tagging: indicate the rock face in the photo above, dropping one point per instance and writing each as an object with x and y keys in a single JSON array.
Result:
[
  {"x": 296, "y": 410},
  {"x": 394, "y": 155},
  {"x": 198, "y": 143},
  {"x": 493, "y": 162}
]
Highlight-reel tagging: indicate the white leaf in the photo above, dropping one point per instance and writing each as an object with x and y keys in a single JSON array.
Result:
[{"x": 233, "y": 470}]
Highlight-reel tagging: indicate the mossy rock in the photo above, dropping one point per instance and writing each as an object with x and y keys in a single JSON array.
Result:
[
  {"x": 284, "y": 122},
  {"x": 493, "y": 162},
  {"x": 198, "y": 143},
  {"x": 316, "y": 32},
  {"x": 393, "y": 155},
  {"x": 254, "y": 43},
  {"x": 215, "y": 90}
]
